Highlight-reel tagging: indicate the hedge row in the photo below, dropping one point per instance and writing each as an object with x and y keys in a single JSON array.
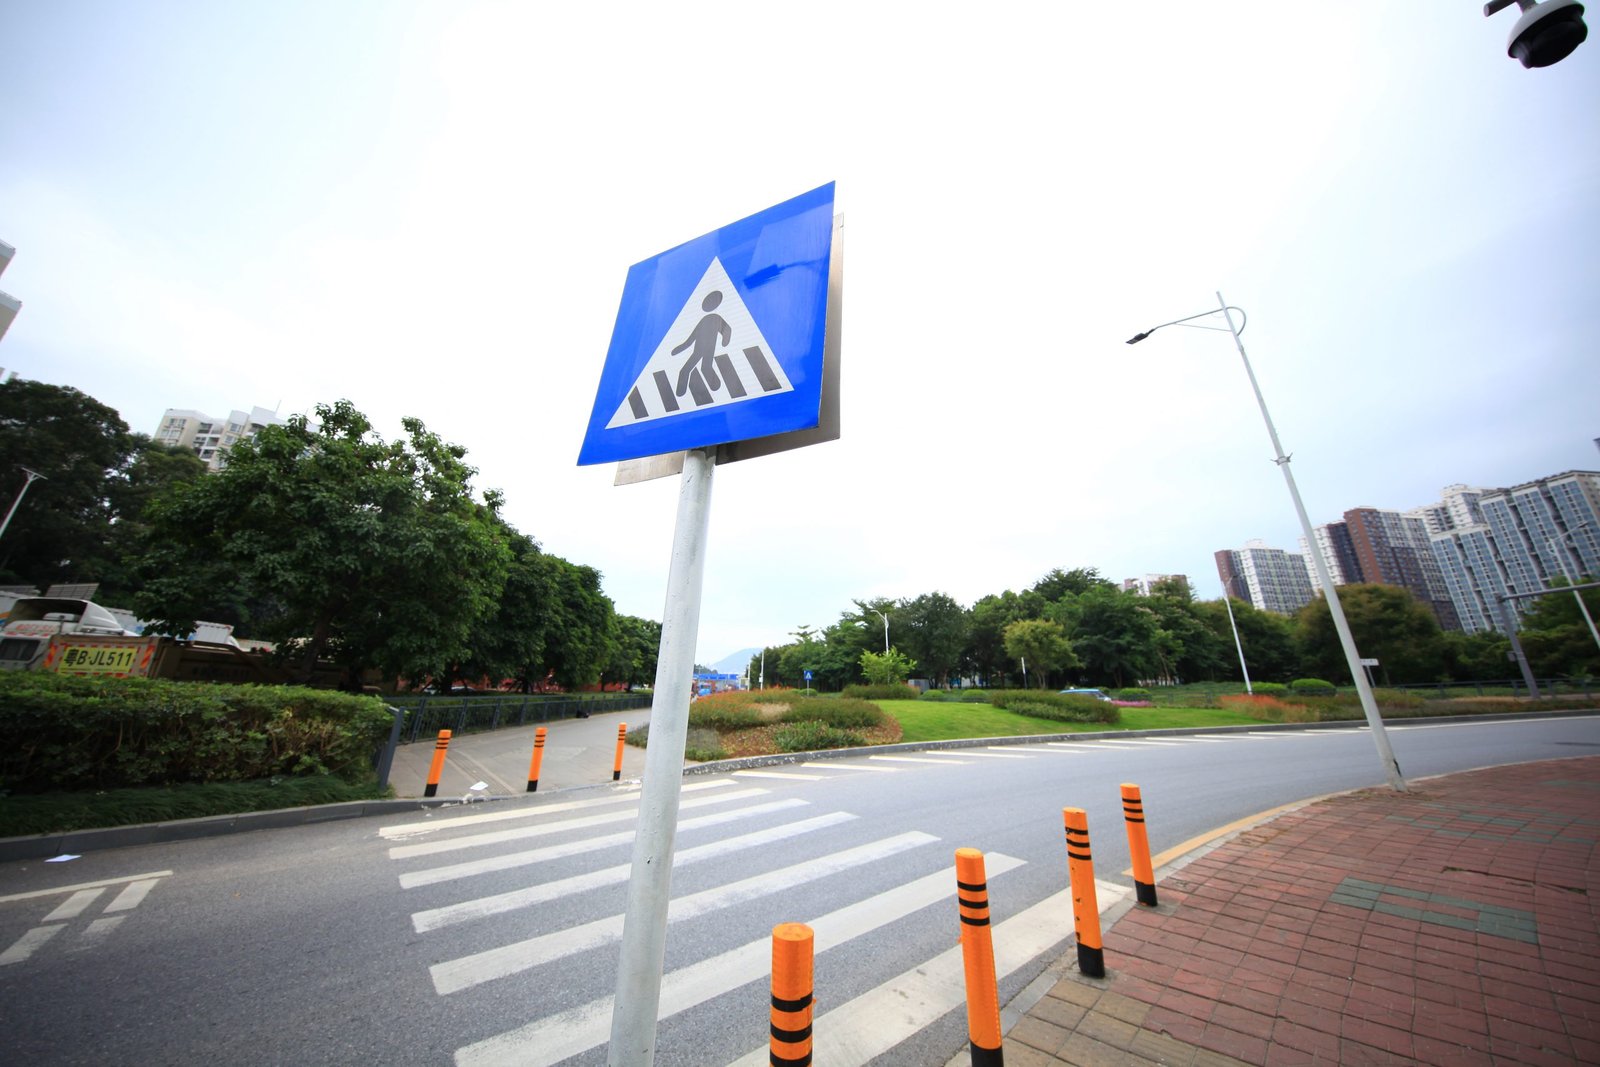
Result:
[
  {"x": 740, "y": 710},
  {"x": 74, "y": 733},
  {"x": 1056, "y": 706}
]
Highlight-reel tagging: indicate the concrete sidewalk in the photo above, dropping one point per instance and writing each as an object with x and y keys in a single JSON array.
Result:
[
  {"x": 576, "y": 752},
  {"x": 1455, "y": 924}
]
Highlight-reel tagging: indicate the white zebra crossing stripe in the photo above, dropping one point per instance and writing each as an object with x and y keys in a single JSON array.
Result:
[
  {"x": 1035, "y": 748},
  {"x": 781, "y": 776},
  {"x": 993, "y": 755},
  {"x": 96, "y": 933},
  {"x": 916, "y": 759},
  {"x": 33, "y": 894},
  {"x": 29, "y": 943},
  {"x": 878, "y": 1020},
  {"x": 458, "y": 974},
  {"x": 494, "y": 837},
  {"x": 1140, "y": 741},
  {"x": 552, "y": 1039},
  {"x": 505, "y": 862},
  {"x": 74, "y": 905},
  {"x": 433, "y": 919},
  {"x": 132, "y": 896},
  {"x": 841, "y": 765},
  {"x": 622, "y": 796}
]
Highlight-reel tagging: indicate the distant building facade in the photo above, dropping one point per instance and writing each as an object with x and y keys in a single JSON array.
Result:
[
  {"x": 1269, "y": 578},
  {"x": 1495, "y": 542},
  {"x": 211, "y": 437},
  {"x": 1142, "y": 586},
  {"x": 1389, "y": 548},
  {"x": 9, "y": 305}
]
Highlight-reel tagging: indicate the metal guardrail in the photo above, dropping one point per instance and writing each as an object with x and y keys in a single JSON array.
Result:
[{"x": 427, "y": 714}]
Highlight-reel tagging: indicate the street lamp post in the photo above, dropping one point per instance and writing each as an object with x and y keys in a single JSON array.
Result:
[
  {"x": 1561, "y": 558},
  {"x": 1228, "y": 603},
  {"x": 885, "y": 619},
  {"x": 1369, "y": 706},
  {"x": 33, "y": 476}
]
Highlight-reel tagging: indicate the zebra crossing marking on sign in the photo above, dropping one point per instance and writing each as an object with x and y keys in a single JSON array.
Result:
[{"x": 728, "y": 359}]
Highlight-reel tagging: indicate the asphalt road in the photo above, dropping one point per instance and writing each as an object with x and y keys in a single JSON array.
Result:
[{"x": 488, "y": 933}]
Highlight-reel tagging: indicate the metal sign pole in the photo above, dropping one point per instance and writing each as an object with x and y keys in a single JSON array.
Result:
[{"x": 644, "y": 927}]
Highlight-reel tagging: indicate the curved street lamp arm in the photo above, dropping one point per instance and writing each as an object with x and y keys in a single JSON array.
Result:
[{"x": 1186, "y": 321}]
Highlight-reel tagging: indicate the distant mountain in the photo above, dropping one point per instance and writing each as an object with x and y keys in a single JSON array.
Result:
[{"x": 735, "y": 662}]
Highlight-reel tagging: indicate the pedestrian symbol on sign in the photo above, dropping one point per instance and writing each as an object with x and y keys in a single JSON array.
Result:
[{"x": 728, "y": 360}]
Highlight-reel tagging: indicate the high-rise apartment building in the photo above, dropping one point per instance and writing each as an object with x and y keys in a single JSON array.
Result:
[
  {"x": 1269, "y": 578},
  {"x": 211, "y": 437},
  {"x": 1142, "y": 586},
  {"x": 1387, "y": 547},
  {"x": 1515, "y": 540},
  {"x": 9, "y": 305}
]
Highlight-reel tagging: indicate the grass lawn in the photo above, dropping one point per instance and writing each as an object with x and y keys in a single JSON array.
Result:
[{"x": 930, "y": 720}]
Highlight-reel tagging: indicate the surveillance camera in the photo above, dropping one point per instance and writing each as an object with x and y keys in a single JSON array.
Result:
[{"x": 1546, "y": 33}]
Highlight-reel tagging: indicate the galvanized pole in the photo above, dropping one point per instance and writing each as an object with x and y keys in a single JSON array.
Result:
[
  {"x": 1236, "y": 643},
  {"x": 644, "y": 926},
  {"x": 1391, "y": 767},
  {"x": 33, "y": 476},
  {"x": 1561, "y": 558}
]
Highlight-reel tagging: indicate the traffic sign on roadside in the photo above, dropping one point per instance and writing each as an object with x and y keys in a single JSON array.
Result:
[{"x": 721, "y": 339}]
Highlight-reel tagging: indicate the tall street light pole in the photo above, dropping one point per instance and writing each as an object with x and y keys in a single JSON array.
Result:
[
  {"x": 1227, "y": 602},
  {"x": 885, "y": 619},
  {"x": 1561, "y": 558},
  {"x": 33, "y": 476},
  {"x": 1369, "y": 706}
]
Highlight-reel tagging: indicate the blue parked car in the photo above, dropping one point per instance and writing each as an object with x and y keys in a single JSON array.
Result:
[{"x": 1097, "y": 694}]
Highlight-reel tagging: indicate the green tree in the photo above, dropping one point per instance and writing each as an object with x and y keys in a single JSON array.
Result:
[
  {"x": 638, "y": 644},
  {"x": 985, "y": 651},
  {"x": 376, "y": 550},
  {"x": 1042, "y": 645},
  {"x": 1556, "y": 638},
  {"x": 61, "y": 530},
  {"x": 1478, "y": 657},
  {"x": 933, "y": 631},
  {"x": 153, "y": 468},
  {"x": 1388, "y": 624},
  {"x": 1060, "y": 584},
  {"x": 1114, "y": 635},
  {"x": 886, "y": 668},
  {"x": 578, "y": 633},
  {"x": 1187, "y": 648}
]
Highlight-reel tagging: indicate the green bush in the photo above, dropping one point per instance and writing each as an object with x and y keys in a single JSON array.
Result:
[
  {"x": 881, "y": 692},
  {"x": 811, "y": 736},
  {"x": 844, "y": 713},
  {"x": 1269, "y": 689},
  {"x": 67, "y": 733},
  {"x": 1133, "y": 694},
  {"x": 1055, "y": 706},
  {"x": 721, "y": 715},
  {"x": 1315, "y": 687},
  {"x": 933, "y": 694},
  {"x": 703, "y": 744},
  {"x": 974, "y": 696}
]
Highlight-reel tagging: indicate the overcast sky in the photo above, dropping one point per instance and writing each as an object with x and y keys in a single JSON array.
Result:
[{"x": 430, "y": 210}]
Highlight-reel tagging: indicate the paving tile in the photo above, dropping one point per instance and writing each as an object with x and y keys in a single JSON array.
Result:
[{"x": 1036, "y": 1033}]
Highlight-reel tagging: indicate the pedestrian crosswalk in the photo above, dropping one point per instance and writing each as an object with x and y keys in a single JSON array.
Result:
[
  {"x": 535, "y": 893},
  {"x": 76, "y": 902}
]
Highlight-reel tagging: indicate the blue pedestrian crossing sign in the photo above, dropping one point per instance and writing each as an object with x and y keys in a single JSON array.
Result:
[{"x": 721, "y": 339}]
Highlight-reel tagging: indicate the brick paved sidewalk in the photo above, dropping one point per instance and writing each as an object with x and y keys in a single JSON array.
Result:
[{"x": 1456, "y": 924}]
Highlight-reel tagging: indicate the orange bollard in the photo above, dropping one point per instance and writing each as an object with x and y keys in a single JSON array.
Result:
[
  {"x": 622, "y": 737},
  {"x": 437, "y": 768},
  {"x": 1144, "y": 879},
  {"x": 1085, "y": 909},
  {"x": 977, "y": 956},
  {"x": 538, "y": 758},
  {"x": 793, "y": 949}
]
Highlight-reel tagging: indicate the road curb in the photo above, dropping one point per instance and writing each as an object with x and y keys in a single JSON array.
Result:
[{"x": 44, "y": 846}]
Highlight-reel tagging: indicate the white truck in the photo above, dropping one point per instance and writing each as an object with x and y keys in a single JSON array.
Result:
[{"x": 27, "y": 631}]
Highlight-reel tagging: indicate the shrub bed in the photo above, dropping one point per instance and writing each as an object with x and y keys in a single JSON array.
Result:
[
  {"x": 811, "y": 736},
  {"x": 1055, "y": 706},
  {"x": 883, "y": 692},
  {"x": 79, "y": 733}
]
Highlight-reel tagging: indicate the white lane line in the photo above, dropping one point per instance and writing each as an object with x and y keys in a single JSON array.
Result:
[
  {"x": 433, "y": 875},
  {"x": 31, "y": 894},
  {"x": 915, "y": 759},
  {"x": 73, "y": 906},
  {"x": 1210, "y": 740},
  {"x": 467, "y": 910},
  {"x": 452, "y": 976},
  {"x": 994, "y": 755},
  {"x": 409, "y": 829},
  {"x": 840, "y": 765},
  {"x": 1037, "y": 748},
  {"x": 878, "y": 1020},
  {"x": 781, "y": 775},
  {"x": 29, "y": 943},
  {"x": 1140, "y": 741},
  {"x": 1293, "y": 733},
  {"x": 552, "y": 1039},
  {"x": 494, "y": 837},
  {"x": 97, "y": 932},
  {"x": 132, "y": 896},
  {"x": 1074, "y": 746}
]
